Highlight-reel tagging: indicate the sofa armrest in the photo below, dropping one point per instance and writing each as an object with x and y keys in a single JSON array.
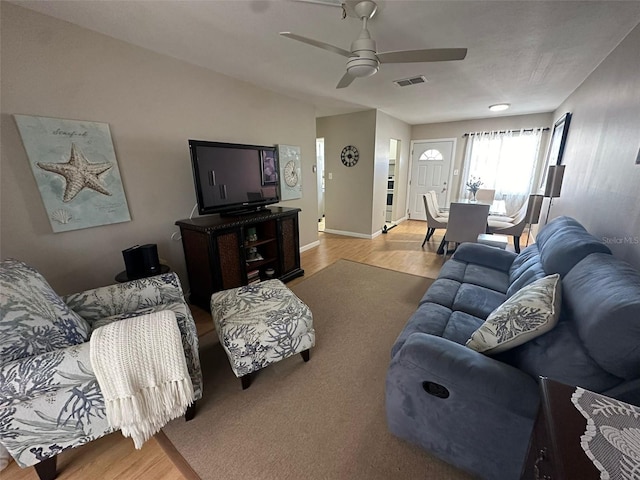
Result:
[
  {"x": 126, "y": 297},
  {"x": 188, "y": 332},
  {"x": 480, "y": 419},
  {"x": 462, "y": 369},
  {"x": 485, "y": 255},
  {"x": 31, "y": 377}
]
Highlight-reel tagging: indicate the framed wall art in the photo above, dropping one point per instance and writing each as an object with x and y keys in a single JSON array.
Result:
[
  {"x": 269, "y": 170},
  {"x": 75, "y": 168},
  {"x": 290, "y": 172},
  {"x": 558, "y": 140}
]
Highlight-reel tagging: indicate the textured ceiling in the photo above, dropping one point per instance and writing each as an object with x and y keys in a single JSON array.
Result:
[{"x": 532, "y": 54}]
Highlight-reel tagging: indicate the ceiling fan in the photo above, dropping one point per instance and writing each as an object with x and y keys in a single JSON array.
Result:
[{"x": 363, "y": 59}]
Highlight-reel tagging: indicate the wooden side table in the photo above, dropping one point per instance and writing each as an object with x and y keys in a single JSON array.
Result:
[
  {"x": 123, "y": 277},
  {"x": 554, "y": 449},
  {"x": 494, "y": 240}
]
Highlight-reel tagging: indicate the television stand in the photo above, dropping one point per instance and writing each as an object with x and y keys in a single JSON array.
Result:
[
  {"x": 248, "y": 211},
  {"x": 220, "y": 256}
]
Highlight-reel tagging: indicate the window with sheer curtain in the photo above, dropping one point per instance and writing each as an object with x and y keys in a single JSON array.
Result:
[{"x": 505, "y": 161}]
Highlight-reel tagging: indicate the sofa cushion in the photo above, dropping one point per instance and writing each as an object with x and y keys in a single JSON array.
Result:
[
  {"x": 530, "y": 275},
  {"x": 525, "y": 270},
  {"x": 33, "y": 318},
  {"x": 531, "y": 312},
  {"x": 477, "y": 301},
  {"x": 485, "y": 255},
  {"x": 429, "y": 318},
  {"x": 453, "y": 269},
  {"x": 461, "y": 326},
  {"x": 555, "y": 225},
  {"x": 559, "y": 354},
  {"x": 480, "y": 275},
  {"x": 442, "y": 291},
  {"x": 562, "y": 248},
  {"x": 524, "y": 258},
  {"x": 476, "y": 274},
  {"x": 603, "y": 297},
  {"x": 438, "y": 320}
]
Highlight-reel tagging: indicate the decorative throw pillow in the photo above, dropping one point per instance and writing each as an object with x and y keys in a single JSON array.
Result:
[
  {"x": 33, "y": 318},
  {"x": 527, "y": 314}
]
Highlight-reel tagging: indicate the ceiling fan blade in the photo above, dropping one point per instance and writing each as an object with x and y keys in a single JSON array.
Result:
[
  {"x": 428, "y": 55},
  {"x": 316, "y": 43},
  {"x": 330, "y": 3},
  {"x": 346, "y": 80}
]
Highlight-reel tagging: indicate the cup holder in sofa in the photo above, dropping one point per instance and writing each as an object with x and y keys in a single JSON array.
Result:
[{"x": 435, "y": 389}]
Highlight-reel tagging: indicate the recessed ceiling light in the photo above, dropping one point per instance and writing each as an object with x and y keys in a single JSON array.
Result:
[{"x": 498, "y": 107}]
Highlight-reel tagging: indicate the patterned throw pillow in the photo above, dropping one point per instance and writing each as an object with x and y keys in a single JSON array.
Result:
[
  {"x": 33, "y": 318},
  {"x": 527, "y": 314}
]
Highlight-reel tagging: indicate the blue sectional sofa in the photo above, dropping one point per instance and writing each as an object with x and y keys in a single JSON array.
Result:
[{"x": 477, "y": 411}]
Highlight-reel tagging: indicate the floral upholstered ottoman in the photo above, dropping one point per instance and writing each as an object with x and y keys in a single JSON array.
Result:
[{"x": 261, "y": 324}]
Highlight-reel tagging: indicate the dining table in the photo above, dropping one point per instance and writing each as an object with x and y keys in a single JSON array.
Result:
[{"x": 497, "y": 207}]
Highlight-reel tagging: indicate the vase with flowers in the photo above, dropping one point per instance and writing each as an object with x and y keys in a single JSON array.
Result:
[{"x": 473, "y": 185}]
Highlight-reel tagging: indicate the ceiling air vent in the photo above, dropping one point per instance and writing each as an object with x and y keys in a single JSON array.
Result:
[{"x": 405, "y": 82}]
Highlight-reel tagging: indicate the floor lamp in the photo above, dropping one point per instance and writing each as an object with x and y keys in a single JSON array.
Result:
[
  {"x": 533, "y": 212},
  {"x": 553, "y": 186}
]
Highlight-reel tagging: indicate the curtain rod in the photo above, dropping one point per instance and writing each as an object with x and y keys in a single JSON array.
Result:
[{"x": 468, "y": 134}]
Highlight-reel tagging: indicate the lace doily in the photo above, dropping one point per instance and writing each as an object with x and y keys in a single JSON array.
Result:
[{"x": 612, "y": 437}]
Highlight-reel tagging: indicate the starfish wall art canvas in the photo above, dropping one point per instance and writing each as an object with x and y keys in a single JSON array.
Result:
[{"x": 74, "y": 164}]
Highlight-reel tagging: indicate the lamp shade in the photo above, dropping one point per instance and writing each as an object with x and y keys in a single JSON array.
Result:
[
  {"x": 554, "y": 181},
  {"x": 533, "y": 209}
]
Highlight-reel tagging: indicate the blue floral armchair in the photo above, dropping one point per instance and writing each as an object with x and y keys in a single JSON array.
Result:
[{"x": 49, "y": 397}]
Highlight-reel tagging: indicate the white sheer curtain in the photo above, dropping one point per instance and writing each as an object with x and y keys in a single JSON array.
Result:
[{"x": 505, "y": 161}]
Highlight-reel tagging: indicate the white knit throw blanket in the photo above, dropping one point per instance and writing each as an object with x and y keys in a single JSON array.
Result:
[{"x": 141, "y": 369}]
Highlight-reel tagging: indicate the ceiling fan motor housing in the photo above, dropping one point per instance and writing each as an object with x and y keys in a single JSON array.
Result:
[{"x": 366, "y": 62}]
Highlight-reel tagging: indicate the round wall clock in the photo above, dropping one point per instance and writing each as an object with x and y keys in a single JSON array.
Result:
[
  {"x": 349, "y": 156},
  {"x": 290, "y": 174}
]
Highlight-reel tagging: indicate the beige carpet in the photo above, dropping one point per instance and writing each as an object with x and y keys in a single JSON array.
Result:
[{"x": 324, "y": 419}]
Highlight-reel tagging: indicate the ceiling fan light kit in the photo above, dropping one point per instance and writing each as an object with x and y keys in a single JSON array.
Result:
[
  {"x": 364, "y": 63},
  {"x": 363, "y": 59}
]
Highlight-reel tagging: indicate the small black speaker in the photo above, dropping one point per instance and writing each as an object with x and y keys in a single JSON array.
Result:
[
  {"x": 133, "y": 262},
  {"x": 141, "y": 261},
  {"x": 150, "y": 260}
]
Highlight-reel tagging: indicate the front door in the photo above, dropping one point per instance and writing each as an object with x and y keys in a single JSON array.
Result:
[{"x": 430, "y": 170}]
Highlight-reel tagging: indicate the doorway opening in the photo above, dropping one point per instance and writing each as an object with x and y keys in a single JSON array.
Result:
[
  {"x": 392, "y": 185},
  {"x": 320, "y": 183}
]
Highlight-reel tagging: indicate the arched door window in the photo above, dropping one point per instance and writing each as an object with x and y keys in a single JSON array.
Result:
[{"x": 431, "y": 155}]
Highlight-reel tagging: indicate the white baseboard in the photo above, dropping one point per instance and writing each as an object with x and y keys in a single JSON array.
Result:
[
  {"x": 348, "y": 234},
  {"x": 309, "y": 246}
]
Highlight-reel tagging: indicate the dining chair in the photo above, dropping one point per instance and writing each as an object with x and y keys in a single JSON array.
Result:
[
  {"x": 441, "y": 211},
  {"x": 466, "y": 222},
  {"x": 486, "y": 195},
  {"x": 434, "y": 219},
  {"x": 528, "y": 213}
]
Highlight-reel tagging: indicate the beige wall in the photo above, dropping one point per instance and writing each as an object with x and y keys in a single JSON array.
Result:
[
  {"x": 348, "y": 195},
  {"x": 388, "y": 127},
  {"x": 153, "y": 105},
  {"x": 458, "y": 129},
  {"x": 602, "y": 182}
]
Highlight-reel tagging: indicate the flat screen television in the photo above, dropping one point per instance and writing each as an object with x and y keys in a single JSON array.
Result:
[{"x": 232, "y": 178}]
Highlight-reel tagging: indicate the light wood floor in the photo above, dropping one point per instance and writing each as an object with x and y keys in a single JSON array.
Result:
[{"x": 114, "y": 457}]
